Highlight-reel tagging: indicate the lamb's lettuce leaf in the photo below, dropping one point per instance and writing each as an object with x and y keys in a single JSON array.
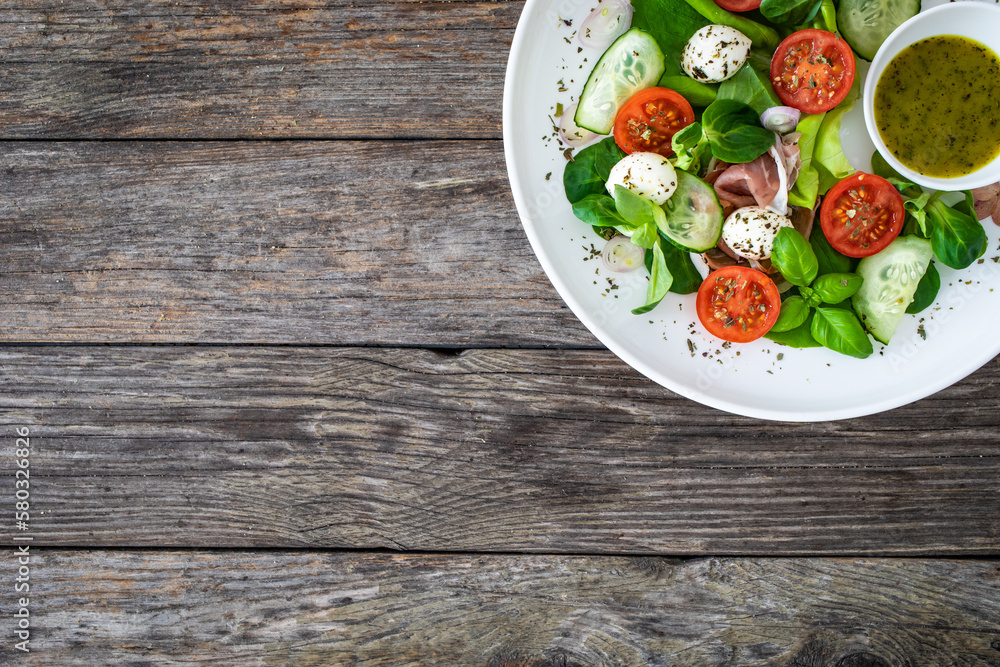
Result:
[
  {"x": 790, "y": 12},
  {"x": 734, "y": 131},
  {"x": 589, "y": 170},
  {"x": 598, "y": 210},
  {"x": 927, "y": 290},
  {"x": 750, "y": 86},
  {"x": 957, "y": 237},
  {"x": 660, "y": 280}
]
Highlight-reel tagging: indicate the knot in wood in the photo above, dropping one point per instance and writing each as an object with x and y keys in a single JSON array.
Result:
[{"x": 861, "y": 660}]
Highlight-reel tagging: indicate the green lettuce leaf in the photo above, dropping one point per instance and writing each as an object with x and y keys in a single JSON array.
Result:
[
  {"x": 828, "y": 157},
  {"x": 806, "y": 187}
]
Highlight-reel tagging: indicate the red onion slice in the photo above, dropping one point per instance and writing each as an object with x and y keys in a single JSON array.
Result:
[
  {"x": 621, "y": 255},
  {"x": 609, "y": 21},
  {"x": 780, "y": 119},
  {"x": 569, "y": 132}
]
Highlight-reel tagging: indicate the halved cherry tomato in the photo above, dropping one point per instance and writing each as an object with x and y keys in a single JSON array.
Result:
[
  {"x": 650, "y": 118},
  {"x": 812, "y": 70},
  {"x": 738, "y": 304},
  {"x": 862, "y": 214},
  {"x": 738, "y": 5}
]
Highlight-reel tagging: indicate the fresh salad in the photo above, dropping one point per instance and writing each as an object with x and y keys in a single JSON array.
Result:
[{"x": 723, "y": 147}]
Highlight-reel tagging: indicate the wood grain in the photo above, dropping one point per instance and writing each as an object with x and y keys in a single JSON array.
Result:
[
  {"x": 119, "y": 69},
  {"x": 394, "y": 242},
  {"x": 413, "y": 243},
  {"x": 488, "y": 450},
  {"x": 286, "y": 608}
]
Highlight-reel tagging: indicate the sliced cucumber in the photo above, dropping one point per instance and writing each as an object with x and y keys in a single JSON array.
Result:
[
  {"x": 866, "y": 23},
  {"x": 693, "y": 214},
  {"x": 633, "y": 62},
  {"x": 890, "y": 280}
]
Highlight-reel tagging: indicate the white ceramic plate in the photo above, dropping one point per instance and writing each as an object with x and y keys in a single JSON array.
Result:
[{"x": 930, "y": 351}]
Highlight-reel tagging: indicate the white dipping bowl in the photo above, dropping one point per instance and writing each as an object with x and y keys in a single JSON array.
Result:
[{"x": 975, "y": 20}]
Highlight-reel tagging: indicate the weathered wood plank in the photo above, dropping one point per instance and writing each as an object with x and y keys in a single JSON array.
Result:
[
  {"x": 285, "y": 242},
  {"x": 286, "y": 608},
  {"x": 116, "y": 69},
  {"x": 488, "y": 450}
]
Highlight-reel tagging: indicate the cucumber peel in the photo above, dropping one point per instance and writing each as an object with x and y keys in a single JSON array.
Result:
[
  {"x": 633, "y": 62},
  {"x": 865, "y": 24},
  {"x": 693, "y": 219},
  {"x": 890, "y": 278}
]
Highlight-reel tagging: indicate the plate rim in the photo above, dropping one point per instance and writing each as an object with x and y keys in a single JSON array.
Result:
[{"x": 517, "y": 51}]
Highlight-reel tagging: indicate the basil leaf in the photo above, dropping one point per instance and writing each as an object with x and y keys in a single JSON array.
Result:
[
  {"x": 794, "y": 311},
  {"x": 840, "y": 330},
  {"x": 750, "y": 87},
  {"x": 590, "y": 169},
  {"x": 833, "y": 288},
  {"x": 927, "y": 290},
  {"x": 957, "y": 237},
  {"x": 800, "y": 336},
  {"x": 734, "y": 131},
  {"x": 600, "y": 211},
  {"x": 659, "y": 282},
  {"x": 698, "y": 94},
  {"x": 830, "y": 261},
  {"x": 794, "y": 257},
  {"x": 790, "y": 12},
  {"x": 810, "y": 296}
]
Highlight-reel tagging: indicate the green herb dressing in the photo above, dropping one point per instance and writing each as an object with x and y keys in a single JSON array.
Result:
[{"x": 937, "y": 106}]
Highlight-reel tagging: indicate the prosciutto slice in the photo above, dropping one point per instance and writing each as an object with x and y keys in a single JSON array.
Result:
[
  {"x": 987, "y": 202},
  {"x": 764, "y": 181},
  {"x": 716, "y": 168},
  {"x": 802, "y": 219},
  {"x": 749, "y": 184},
  {"x": 789, "y": 146}
]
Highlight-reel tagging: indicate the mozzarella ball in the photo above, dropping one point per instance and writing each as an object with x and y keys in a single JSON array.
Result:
[
  {"x": 648, "y": 175},
  {"x": 750, "y": 231},
  {"x": 715, "y": 53}
]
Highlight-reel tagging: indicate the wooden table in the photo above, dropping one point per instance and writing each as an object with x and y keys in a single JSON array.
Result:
[{"x": 299, "y": 393}]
